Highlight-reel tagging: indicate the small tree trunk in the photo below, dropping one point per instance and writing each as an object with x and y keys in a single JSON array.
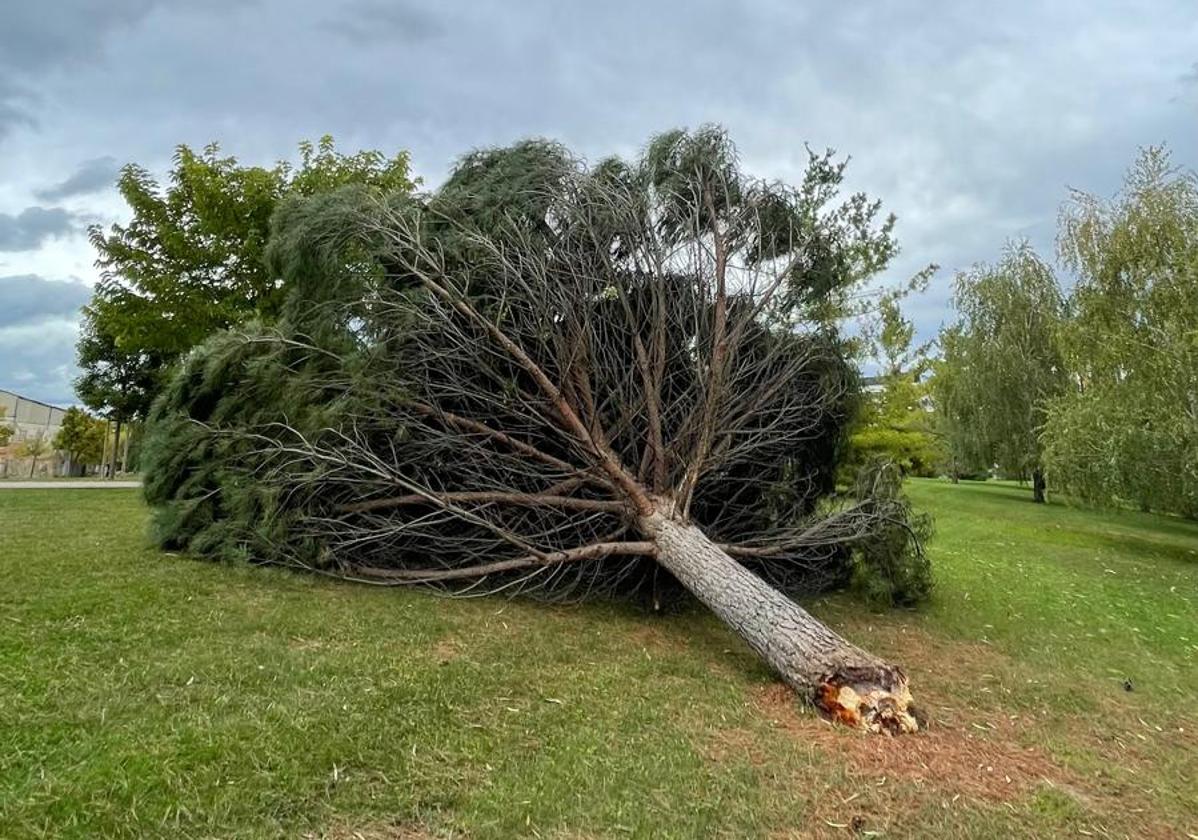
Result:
[
  {"x": 1038, "y": 486},
  {"x": 116, "y": 448},
  {"x": 842, "y": 680},
  {"x": 103, "y": 465}
]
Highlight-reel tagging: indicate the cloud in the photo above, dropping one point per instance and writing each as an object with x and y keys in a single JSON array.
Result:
[
  {"x": 396, "y": 21},
  {"x": 39, "y": 324},
  {"x": 14, "y": 107},
  {"x": 969, "y": 127},
  {"x": 92, "y": 176},
  {"x": 33, "y": 41},
  {"x": 28, "y": 229},
  {"x": 28, "y": 298},
  {"x": 39, "y": 359}
]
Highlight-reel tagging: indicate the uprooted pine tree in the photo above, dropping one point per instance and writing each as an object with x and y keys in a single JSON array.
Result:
[{"x": 564, "y": 381}]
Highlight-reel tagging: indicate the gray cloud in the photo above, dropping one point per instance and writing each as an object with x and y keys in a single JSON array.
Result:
[
  {"x": 92, "y": 176},
  {"x": 31, "y": 227},
  {"x": 396, "y": 21},
  {"x": 970, "y": 127},
  {"x": 39, "y": 322},
  {"x": 28, "y": 298},
  {"x": 39, "y": 359},
  {"x": 34, "y": 39}
]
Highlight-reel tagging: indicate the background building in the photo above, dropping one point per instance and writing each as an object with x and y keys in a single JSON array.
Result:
[{"x": 29, "y": 419}]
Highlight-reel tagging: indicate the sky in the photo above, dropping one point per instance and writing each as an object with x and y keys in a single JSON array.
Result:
[{"x": 970, "y": 121}]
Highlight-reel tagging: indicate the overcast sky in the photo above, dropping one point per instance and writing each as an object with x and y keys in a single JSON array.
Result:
[{"x": 969, "y": 120}]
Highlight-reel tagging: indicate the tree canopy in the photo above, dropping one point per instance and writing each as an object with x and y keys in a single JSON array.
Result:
[
  {"x": 119, "y": 380},
  {"x": 1126, "y": 431},
  {"x": 894, "y": 423},
  {"x": 81, "y": 436},
  {"x": 1001, "y": 363},
  {"x": 190, "y": 260}
]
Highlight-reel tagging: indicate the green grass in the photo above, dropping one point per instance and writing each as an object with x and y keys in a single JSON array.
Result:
[{"x": 144, "y": 694}]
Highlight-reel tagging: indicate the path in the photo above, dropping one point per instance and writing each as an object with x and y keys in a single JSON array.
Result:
[{"x": 65, "y": 485}]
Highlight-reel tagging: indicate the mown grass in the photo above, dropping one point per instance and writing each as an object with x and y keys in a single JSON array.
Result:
[{"x": 144, "y": 694}]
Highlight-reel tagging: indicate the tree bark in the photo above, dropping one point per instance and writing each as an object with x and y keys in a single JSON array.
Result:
[
  {"x": 104, "y": 451},
  {"x": 116, "y": 448},
  {"x": 1038, "y": 486},
  {"x": 850, "y": 685}
]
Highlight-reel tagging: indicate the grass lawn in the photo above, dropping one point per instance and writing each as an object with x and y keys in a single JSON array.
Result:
[{"x": 144, "y": 694}]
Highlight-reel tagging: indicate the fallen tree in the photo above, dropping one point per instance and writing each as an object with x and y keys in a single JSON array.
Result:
[{"x": 564, "y": 382}]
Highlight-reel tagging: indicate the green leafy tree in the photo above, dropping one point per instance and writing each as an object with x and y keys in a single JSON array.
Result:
[
  {"x": 894, "y": 423},
  {"x": 5, "y": 429},
  {"x": 1001, "y": 363},
  {"x": 190, "y": 261},
  {"x": 962, "y": 450},
  {"x": 1127, "y": 431},
  {"x": 34, "y": 448},
  {"x": 118, "y": 381},
  {"x": 81, "y": 436}
]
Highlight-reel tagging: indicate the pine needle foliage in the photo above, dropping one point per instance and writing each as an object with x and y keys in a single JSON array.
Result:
[{"x": 474, "y": 390}]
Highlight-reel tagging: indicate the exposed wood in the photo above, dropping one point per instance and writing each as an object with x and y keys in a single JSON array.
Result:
[{"x": 850, "y": 685}]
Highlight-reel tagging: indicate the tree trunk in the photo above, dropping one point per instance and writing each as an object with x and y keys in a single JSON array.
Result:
[
  {"x": 1038, "y": 486},
  {"x": 842, "y": 680},
  {"x": 104, "y": 451},
  {"x": 116, "y": 448}
]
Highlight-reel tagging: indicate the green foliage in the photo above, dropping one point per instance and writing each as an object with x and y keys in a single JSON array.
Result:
[
  {"x": 5, "y": 429},
  {"x": 895, "y": 424},
  {"x": 1001, "y": 363},
  {"x": 510, "y": 187},
  {"x": 1127, "y": 431},
  {"x": 890, "y": 567},
  {"x": 199, "y": 480},
  {"x": 359, "y": 344},
  {"x": 35, "y": 448},
  {"x": 81, "y": 436},
  {"x": 191, "y": 260},
  {"x": 118, "y": 380}
]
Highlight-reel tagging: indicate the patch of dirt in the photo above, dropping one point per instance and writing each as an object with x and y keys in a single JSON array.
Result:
[
  {"x": 985, "y": 762},
  {"x": 372, "y": 831},
  {"x": 654, "y": 639},
  {"x": 299, "y": 643},
  {"x": 446, "y": 650}
]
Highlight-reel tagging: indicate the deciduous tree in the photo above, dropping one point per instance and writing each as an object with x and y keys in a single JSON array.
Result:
[
  {"x": 118, "y": 382},
  {"x": 81, "y": 437},
  {"x": 189, "y": 262},
  {"x": 894, "y": 423},
  {"x": 1001, "y": 363},
  {"x": 34, "y": 448},
  {"x": 5, "y": 428},
  {"x": 1126, "y": 431}
]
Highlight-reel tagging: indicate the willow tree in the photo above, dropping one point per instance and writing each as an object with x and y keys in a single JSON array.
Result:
[
  {"x": 609, "y": 381},
  {"x": 1001, "y": 364},
  {"x": 1127, "y": 432}
]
